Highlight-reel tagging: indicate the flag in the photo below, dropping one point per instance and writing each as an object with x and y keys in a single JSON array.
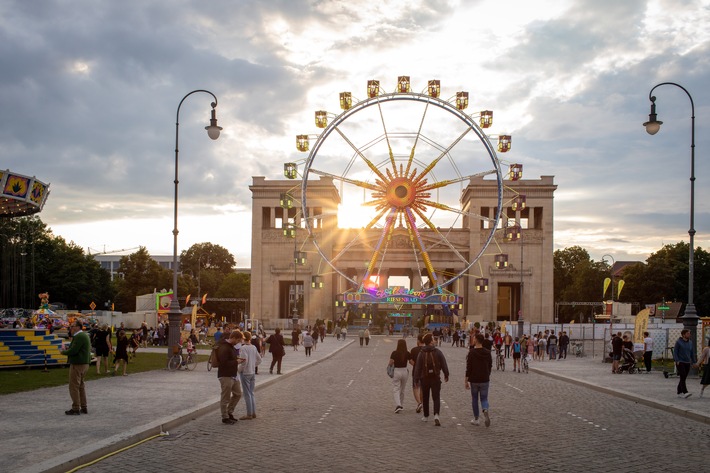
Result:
[
  {"x": 187, "y": 299},
  {"x": 619, "y": 286},
  {"x": 204, "y": 299},
  {"x": 607, "y": 281}
]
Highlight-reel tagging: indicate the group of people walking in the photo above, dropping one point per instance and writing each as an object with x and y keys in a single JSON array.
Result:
[{"x": 428, "y": 363}]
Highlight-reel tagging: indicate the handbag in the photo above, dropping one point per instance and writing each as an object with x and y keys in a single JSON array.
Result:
[{"x": 390, "y": 371}]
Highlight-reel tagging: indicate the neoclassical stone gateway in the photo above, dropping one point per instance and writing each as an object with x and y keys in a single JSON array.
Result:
[{"x": 284, "y": 256}]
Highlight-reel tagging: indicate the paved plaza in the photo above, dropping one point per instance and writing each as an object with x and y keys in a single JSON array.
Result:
[{"x": 336, "y": 413}]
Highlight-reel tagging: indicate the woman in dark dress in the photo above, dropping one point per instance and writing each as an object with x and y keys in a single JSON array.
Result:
[
  {"x": 121, "y": 352},
  {"x": 103, "y": 347}
]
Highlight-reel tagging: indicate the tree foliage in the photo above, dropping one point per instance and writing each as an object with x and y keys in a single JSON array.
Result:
[
  {"x": 33, "y": 260},
  {"x": 140, "y": 274}
]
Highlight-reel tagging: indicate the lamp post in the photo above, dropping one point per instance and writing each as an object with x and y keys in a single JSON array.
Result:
[
  {"x": 690, "y": 317},
  {"x": 174, "y": 313},
  {"x": 611, "y": 279}
]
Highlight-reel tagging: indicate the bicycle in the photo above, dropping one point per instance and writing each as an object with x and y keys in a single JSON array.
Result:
[
  {"x": 179, "y": 360},
  {"x": 500, "y": 360}
]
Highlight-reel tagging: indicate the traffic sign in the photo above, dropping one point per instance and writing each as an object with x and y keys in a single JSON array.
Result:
[{"x": 92, "y": 305}]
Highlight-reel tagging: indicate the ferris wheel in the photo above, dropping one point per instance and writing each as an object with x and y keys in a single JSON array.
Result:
[{"x": 401, "y": 161}]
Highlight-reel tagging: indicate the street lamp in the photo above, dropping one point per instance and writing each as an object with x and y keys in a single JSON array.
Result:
[
  {"x": 174, "y": 314},
  {"x": 690, "y": 317},
  {"x": 611, "y": 280}
]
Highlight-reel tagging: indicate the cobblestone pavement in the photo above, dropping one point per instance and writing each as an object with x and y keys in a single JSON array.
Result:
[{"x": 338, "y": 415}]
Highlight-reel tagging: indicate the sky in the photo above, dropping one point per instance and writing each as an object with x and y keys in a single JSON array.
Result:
[{"x": 89, "y": 92}]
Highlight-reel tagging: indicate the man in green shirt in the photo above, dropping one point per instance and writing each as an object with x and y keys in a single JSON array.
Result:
[{"x": 79, "y": 357}]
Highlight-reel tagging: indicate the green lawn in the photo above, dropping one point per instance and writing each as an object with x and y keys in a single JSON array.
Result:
[{"x": 28, "y": 379}]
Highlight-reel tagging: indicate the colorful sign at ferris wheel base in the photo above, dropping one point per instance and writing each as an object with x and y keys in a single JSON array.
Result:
[{"x": 399, "y": 295}]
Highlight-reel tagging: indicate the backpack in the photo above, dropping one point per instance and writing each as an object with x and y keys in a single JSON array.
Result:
[
  {"x": 430, "y": 369},
  {"x": 214, "y": 360}
]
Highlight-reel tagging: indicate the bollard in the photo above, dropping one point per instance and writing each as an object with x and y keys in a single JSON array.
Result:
[{"x": 46, "y": 370}]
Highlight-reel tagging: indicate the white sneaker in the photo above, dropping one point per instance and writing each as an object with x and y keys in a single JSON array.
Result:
[
  {"x": 680, "y": 395},
  {"x": 437, "y": 422},
  {"x": 687, "y": 395},
  {"x": 425, "y": 419},
  {"x": 475, "y": 422},
  {"x": 487, "y": 420}
]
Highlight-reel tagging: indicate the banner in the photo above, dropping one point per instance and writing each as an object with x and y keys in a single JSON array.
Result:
[
  {"x": 607, "y": 281},
  {"x": 641, "y": 325}
]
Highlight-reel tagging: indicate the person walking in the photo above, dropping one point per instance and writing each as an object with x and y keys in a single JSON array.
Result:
[
  {"x": 479, "y": 364},
  {"x": 277, "y": 350},
  {"x": 361, "y": 335},
  {"x": 121, "y": 352},
  {"x": 367, "y": 337},
  {"x": 416, "y": 385},
  {"x": 684, "y": 357},
  {"x": 564, "y": 343},
  {"x": 308, "y": 343},
  {"x": 508, "y": 342},
  {"x": 247, "y": 372},
  {"x": 399, "y": 359},
  {"x": 430, "y": 363},
  {"x": 79, "y": 357},
  {"x": 647, "y": 351},
  {"x": 228, "y": 376}
]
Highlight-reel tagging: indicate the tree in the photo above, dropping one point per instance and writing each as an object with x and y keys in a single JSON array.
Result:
[
  {"x": 234, "y": 285},
  {"x": 577, "y": 278},
  {"x": 33, "y": 260},
  {"x": 141, "y": 275}
]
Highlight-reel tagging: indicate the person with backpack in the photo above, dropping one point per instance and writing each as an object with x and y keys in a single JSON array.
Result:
[
  {"x": 479, "y": 364},
  {"x": 430, "y": 363}
]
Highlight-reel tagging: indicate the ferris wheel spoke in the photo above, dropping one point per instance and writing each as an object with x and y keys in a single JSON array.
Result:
[
  {"x": 369, "y": 163},
  {"x": 435, "y": 161},
  {"x": 416, "y": 140},
  {"x": 440, "y": 206},
  {"x": 445, "y": 183},
  {"x": 441, "y": 235},
  {"x": 354, "y": 182},
  {"x": 386, "y": 232},
  {"x": 387, "y": 138},
  {"x": 414, "y": 231}
]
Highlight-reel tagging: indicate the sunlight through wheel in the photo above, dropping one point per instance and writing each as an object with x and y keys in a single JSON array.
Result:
[{"x": 401, "y": 162}]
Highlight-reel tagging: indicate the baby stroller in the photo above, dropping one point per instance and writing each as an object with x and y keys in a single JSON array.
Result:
[{"x": 628, "y": 362}]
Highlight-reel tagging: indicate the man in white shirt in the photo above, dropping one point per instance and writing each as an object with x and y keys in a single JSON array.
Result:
[{"x": 647, "y": 350}]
